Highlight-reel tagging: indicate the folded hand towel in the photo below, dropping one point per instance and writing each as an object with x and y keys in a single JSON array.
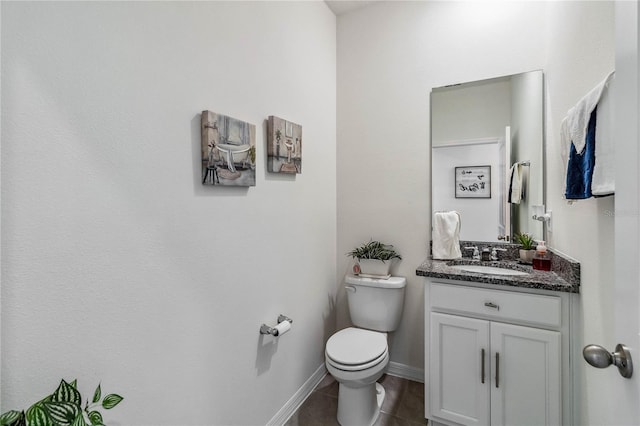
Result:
[
  {"x": 515, "y": 184},
  {"x": 603, "y": 181},
  {"x": 446, "y": 236},
  {"x": 578, "y": 116}
]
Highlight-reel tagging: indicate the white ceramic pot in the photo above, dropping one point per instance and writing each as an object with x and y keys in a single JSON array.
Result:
[
  {"x": 526, "y": 256},
  {"x": 374, "y": 266}
]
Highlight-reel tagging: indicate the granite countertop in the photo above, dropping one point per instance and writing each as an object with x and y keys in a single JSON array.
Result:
[{"x": 564, "y": 275}]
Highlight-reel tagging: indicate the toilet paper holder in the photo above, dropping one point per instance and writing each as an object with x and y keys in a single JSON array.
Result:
[{"x": 265, "y": 329}]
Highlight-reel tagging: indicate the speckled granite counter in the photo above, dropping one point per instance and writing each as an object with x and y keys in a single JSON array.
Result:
[{"x": 564, "y": 275}]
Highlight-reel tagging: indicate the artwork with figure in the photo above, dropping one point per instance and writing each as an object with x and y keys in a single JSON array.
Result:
[
  {"x": 228, "y": 151},
  {"x": 284, "y": 146}
]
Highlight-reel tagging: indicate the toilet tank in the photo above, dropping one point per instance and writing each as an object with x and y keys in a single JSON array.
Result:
[{"x": 375, "y": 304}]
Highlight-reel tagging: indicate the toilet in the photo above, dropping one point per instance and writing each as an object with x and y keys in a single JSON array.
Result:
[{"x": 358, "y": 356}]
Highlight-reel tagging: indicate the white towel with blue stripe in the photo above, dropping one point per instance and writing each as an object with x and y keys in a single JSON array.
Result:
[
  {"x": 578, "y": 116},
  {"x": 589, "y": 172}
]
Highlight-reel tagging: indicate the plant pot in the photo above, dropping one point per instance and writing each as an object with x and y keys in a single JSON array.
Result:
[
  {"x": 374, "y": 267},
  {"x": 526, "y": 256}
]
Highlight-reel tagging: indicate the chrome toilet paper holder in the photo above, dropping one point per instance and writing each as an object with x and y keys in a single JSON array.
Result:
[{"x": 265, "y": 329}]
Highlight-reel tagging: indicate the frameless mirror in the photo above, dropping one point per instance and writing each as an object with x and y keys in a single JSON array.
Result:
[{"x": 482, "y": 134}]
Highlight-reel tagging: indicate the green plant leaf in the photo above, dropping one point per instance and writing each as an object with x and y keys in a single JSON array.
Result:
[
  {"x": 111, "y": 401},
  {"x": 62, "y": 413},
  {"x": 47, "y": 398},
  {"x": 67, "y": 393},
  {"x": 96, "y": 418},
  {"x": 22, "y": 421},
  {"x": 375, "y": 250},
  {"x": 526, "y": 240},
  {"x": 74, "y": 383},
  {"x": 79, "y": 420},
  {"x": 11, "y": 418},
  {"x": 97, "y": 394},
  {"x": 37, "y": 416}
]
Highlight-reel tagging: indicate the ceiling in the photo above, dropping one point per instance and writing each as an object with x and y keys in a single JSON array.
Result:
[{"x": 340, "y": 7}]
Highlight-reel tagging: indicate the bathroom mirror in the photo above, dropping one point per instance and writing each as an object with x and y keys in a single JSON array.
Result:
[{"x": 479, "y": 130}]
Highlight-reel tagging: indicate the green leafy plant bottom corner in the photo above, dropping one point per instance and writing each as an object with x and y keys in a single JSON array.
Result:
[{"x": 63, "y": 408}]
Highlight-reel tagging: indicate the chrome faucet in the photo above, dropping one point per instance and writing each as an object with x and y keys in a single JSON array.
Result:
[
  {"x": 476, "y": 252},
  {"x": 494, "y": 253}
]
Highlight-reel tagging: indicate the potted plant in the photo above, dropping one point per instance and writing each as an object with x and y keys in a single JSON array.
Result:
[
  {"x": 528, "y": 247},
  {"x": 374, "y": 258},
  {"x": 63, "y": 407}
]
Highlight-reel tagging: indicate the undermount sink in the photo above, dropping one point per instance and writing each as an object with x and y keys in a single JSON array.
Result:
[{"x": 486, "y": 269}]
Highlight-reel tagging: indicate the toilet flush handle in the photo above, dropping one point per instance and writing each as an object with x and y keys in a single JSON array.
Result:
[{"x": 350, "y": 288}]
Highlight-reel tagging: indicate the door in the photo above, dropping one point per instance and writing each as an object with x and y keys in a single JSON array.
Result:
[
  {"x": 615, "y": 400},
  {"x": 526, "y": 380},
  {"x": 459, "y": 369},
  {"x": 622, "y": 398}
]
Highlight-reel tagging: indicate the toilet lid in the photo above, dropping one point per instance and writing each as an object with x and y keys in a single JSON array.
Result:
[{"x": 355, "y": 346}]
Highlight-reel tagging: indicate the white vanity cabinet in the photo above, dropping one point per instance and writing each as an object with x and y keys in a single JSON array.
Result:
[{"x": 493, "y": 356}]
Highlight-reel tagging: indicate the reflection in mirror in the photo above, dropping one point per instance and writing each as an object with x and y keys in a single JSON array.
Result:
[{"x": 493, "y": 126}]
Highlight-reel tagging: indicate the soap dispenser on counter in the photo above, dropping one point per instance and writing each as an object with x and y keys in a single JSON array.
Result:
[{"x": 541, "y": 259}]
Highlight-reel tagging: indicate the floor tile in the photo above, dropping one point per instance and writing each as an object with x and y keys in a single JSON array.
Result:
[
  {"x": 389, "y": 420},
  {"x": 394, "y": 388},
  {"x": 318, "y": 410},
  {"x": 411, "y": 405},
  {"x": 328, "y": 386},
  {"x": 403, "y": 405}
]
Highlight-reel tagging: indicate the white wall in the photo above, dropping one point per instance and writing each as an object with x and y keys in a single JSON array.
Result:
[
  {"x": 118, "y": 266},
  {"x": 472, "y": 111},
  {"x": 390, "y": 55}
]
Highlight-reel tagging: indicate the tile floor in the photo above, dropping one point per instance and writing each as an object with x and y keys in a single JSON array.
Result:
[{"x": 403, "y": 404}]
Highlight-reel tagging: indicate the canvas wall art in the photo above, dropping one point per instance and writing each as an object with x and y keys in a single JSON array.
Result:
[
  {"x": 284, "y": 146},
  {"x": 228, "y": 151}
]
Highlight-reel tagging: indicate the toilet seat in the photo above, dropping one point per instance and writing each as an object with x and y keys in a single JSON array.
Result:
[
  {"x": 358, "y": 367},
  {"x": 355, "y": 349}
]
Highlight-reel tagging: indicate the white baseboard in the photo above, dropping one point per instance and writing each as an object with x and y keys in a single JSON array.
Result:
[
  {"x": 290, "y": 407},
  {"x": 405, "y": 372}
]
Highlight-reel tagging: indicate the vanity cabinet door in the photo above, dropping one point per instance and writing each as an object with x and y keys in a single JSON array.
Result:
[
  {"x": 458, "y": 358},
  {"x": 526, "y": 378}
]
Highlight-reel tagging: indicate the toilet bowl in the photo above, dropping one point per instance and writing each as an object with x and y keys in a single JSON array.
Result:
[{"x": 358, "y": 356}]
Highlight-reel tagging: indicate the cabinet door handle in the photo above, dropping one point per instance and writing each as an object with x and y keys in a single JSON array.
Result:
[
  {"x": 497, "y": 369},
  {"x": 492, "y": 305},
  {"x": 482, "y": 366}
]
